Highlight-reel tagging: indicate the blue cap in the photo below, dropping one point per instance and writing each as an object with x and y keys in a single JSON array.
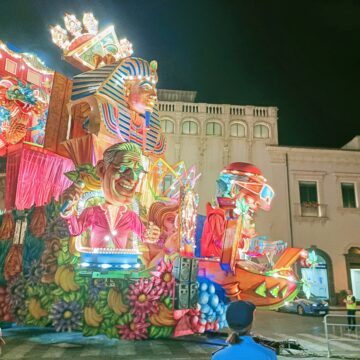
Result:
[{"x": 240, "y": 314}]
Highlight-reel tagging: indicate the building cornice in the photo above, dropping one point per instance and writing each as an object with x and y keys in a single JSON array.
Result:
[{"x": 278, "y": 154}]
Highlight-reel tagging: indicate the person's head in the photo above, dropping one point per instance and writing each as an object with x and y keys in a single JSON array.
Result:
[
  {"x": 349, "y": 292},
  {"x": 239, "y": 181},
  {"x": 239, "y": 316},
  {"x": 164, "y": 216},
  {"x": 119, "y": 172},
  {"x": 140, "y": 79}
]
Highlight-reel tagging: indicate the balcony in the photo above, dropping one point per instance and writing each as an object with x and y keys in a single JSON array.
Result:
[
  {"x": 217, "y": 109},
  {"x": 310, "y": 211}
]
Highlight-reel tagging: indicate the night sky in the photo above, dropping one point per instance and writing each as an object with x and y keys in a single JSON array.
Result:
[{"x": 300, "y": 56}]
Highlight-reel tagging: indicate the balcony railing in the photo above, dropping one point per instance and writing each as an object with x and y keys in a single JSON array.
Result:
[
  {"x": 217, "y": 109},
  {"x": 310, "y": 210},
  {"x": 237, "y": 110}
]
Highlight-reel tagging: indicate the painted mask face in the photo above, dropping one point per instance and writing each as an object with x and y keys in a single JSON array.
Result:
[
  {"x": 169, "y": 224},
  {"x": 121, "y": 178},
  {"x": 141, "y": 96}
]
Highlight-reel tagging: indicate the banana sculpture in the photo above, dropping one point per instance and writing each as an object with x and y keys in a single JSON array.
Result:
[
  {"x": 91, "y": 183},
  {"x": 92, "y": 318},
  {"x": 115, "y": 302},
  {"x": 165, "y": 317},
  {"x": 64, "y": 277},
  {"x": 36, "y": 310}
]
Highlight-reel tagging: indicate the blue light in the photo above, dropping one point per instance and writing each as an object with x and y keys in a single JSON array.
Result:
[
  {"x": 125, "y": 266},
  {"x": 85, "y": 264},
  {"x": 105, "y": 266}
]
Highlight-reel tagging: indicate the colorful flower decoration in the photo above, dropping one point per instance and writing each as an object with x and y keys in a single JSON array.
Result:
[
  {"x": 66, "y": 316},
  {"x": 163, "y": 278},
  {"x": 134, "y": 329},
  {"x": 34, "y": 274},
  {"x": 56, "y": 229},
  {"x": 16, "y": 297},
  {"x": 144, "y": 298}
]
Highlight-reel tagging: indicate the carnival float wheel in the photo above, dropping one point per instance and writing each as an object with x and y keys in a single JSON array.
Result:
[{"x": 300, "y": 310}]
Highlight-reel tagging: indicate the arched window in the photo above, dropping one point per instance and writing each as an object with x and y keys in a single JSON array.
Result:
[
  {"x": 213, "y": 128},
  {"x": 167, "y": 126},
  {"x": 237, "y": 130},
  {"x": 189, "y": 128},
  {"x": 261, "y": 131}
]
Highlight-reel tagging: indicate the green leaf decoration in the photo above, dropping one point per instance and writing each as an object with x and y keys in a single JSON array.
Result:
[
  {"x": 67, "y": 297},
  {"x": 58, "y": 292},
  {"x": 274, "y": 292},
  {"x": 103, "y": 295},
  {"x": 114, "y": 333},
  {"x": 75, "y": 175},
  {"x": 261, "y": 290},
  {"x": 72, "y": 175},
  {"x": 30, "y": 292},
  {"x": 74, "y": 260},
  {"x": 168, "y": 302},
  {"x": 284, "y": 291}
]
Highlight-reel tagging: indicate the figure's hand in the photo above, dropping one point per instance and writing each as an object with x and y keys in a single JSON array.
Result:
[
  {"x": 152, "y": 234},
  {"x": 71, "y": 196}
]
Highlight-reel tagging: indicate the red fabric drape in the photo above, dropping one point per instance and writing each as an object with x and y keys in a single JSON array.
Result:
[{"x": 39, "y": 177}]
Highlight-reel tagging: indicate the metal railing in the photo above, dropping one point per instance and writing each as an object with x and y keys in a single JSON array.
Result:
[{"x": 338, "y": 330}]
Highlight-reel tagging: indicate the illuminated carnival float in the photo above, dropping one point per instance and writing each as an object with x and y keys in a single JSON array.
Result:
[{"x": 95, "y": 237}]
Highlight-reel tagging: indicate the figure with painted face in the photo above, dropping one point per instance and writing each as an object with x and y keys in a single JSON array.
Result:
[{"x": 112, "y": 223}]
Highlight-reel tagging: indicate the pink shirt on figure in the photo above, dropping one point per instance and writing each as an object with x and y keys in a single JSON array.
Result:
[{"x": 106, "y": 229}]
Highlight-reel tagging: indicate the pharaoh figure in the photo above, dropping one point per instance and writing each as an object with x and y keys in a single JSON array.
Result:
[{"x": 122, "y": 106}]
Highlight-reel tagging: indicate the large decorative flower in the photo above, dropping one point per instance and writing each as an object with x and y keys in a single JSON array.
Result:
[
  {"x": 135, "y": 329},
  {"x": 56, "y": 229},
  {"x": 34, "y": 274},
  {"x": 144, "y": 298},
  {"x": 16, "y": 296},
  {"x": 163, "y": 278},
  {"x": 66, "y": 316}
]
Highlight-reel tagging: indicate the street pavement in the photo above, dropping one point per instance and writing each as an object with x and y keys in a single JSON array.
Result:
[{"x": 42, "y": 343}]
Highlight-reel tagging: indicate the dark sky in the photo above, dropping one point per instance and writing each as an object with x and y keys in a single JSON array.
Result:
[{"x": 301, "y": 56}]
